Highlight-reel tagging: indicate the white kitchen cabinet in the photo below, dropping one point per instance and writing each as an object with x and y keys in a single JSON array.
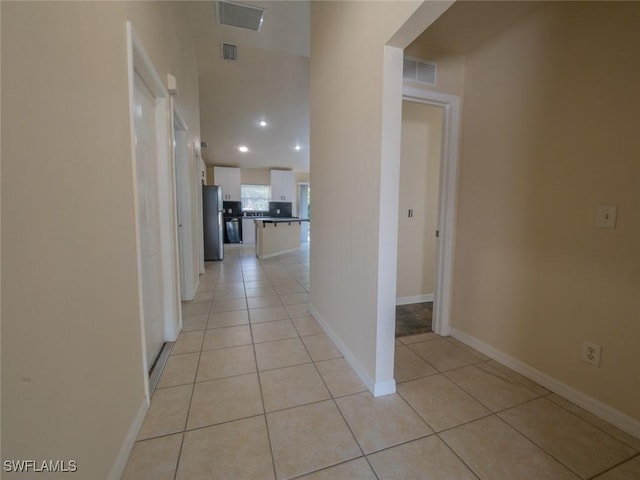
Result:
[
  {"x": 248, "y": 231},
  {"x": 283, "y": 186},
  {"x": 229, "y": 179}
]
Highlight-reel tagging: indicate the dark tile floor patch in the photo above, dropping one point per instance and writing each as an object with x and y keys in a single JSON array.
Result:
[{"x": 413, "y": 319}]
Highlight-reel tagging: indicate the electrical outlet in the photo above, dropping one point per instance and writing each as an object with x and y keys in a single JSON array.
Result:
[
  {"x": 591, "y": 353},
  {"x": 607, "y": 216}
]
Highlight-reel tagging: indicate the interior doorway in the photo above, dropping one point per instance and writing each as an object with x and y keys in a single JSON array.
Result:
[
  {"x": 444, "y": 233},
  {"x": 421, "y": 149},
  {"x": 155, "y": 216}
]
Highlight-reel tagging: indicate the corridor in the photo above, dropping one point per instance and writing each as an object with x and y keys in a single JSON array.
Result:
[{"x": 254, "y": 389}]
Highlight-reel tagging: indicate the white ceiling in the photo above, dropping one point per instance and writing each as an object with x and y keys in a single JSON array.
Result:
[{"x": 269, "y": 81}]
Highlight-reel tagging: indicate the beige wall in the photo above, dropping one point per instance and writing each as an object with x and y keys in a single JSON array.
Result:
[
  {"x": 72, "y": 379},
  {"x": 549, "y": 133},
  {"x": 419, "y": 182},
  {"x": 256, "y": 176},
  {"x": 347, "y": 40}
]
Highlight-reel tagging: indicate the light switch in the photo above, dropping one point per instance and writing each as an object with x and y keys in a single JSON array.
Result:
[{"x": 607, "y": 216}]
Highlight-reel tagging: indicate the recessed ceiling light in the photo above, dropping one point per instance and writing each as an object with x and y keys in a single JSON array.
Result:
[
  {"x": 243, "y": 148},
  {"x": 262, "y": 123},
  {"x": 297, "y": 148}
]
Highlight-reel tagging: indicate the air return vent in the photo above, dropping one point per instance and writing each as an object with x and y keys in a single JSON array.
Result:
[
  {"x": 229, "y": 51},
  {"x": 243, "y": 16},
  {"x": 419, "y": 71}
]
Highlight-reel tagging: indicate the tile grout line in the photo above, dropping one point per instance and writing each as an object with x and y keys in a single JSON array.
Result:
[
  {"x": 522, "y": 434},
  {"x": 437, "y": 433},
  {"x": 595, "y": 477}
]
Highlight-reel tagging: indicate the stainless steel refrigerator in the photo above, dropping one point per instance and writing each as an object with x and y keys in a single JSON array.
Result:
[{"x": 213, "y": 222}]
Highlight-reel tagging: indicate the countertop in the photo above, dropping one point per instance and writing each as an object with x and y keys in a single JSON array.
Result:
[{"x": 279, "y": 219}]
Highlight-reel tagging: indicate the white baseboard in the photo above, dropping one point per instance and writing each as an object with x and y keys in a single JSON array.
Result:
[
  {"x": 427, "y": 297},
  {"x": 129, "y": 440},
  {"x": 376, "y": 389},
  {"x": 615, "y": 417}
]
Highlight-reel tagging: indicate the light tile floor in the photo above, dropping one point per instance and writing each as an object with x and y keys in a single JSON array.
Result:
[{"x": 254, "y": 389}]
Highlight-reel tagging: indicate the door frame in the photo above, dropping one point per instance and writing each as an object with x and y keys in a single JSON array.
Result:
[
  {"x": 184, "y": 206},
  {"x": 447, "y": 199},
  {"x": 140, "y": 63}
]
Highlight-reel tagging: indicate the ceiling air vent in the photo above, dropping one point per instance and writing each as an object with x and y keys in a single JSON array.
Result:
[
  {"x": 419, "y": 71},
  {"x": 229, "y": 51},
  {"x": 243, "y": 16}
]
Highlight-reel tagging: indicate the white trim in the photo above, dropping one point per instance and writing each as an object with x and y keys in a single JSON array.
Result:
[
  {"x": 129, "y": 441},
  {"x": 201, "y": 179},
  {"x": 447, "y": 202},
  {"x": 387, "y": 254},
  {"x": 168, "y": 217},
  {"x": 178, "y": 119},
  {"x": 427, "y": 297},
  {"x": 377, "y": 389},
  {"x": 143, "y": 65},
  {"x": 605, "y": 412},
  {"x": 133, "y": 46},
  {"x": 140, "y": 63}
]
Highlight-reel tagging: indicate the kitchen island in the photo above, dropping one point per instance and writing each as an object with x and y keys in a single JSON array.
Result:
[{"x": 275, "y": 236}]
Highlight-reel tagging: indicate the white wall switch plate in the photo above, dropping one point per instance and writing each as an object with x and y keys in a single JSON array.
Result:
[{"x": 607, "y": 216}]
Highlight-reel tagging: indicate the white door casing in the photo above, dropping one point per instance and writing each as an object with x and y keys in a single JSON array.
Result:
[
  {"x": 185, "y": 209},
  {"x": 201, "y": 179},
  {"x": 148, "y": 219},
  {"x": 446, "y": 200},
  {"x": 161, "y": 193}
]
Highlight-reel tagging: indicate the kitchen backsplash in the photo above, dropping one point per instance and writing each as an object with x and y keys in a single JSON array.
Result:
[
  {"x": 280, "y": 209},
  {"x": 232, "y": 209}
]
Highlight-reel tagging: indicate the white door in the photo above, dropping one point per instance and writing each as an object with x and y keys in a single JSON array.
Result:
[
  {"x": 183, "y": 190},
  {"x": 149, "y": 220}
]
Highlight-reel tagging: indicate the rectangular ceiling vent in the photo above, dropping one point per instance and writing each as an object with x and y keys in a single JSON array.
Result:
[
  {"x": 416, "y": 70},
  {"x": 229, "y": 51},
  {"x": 243, "y": 16}
]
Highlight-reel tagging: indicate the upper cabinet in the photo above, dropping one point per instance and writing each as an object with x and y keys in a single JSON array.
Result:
[
  {"x": 229, "y": 179},
  {"x": 283, "y": 186}
]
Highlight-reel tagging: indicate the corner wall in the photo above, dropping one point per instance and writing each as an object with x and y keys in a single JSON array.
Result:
[
  {"x": 348, "y": 156},
  {"x": 549, "y": 133}
]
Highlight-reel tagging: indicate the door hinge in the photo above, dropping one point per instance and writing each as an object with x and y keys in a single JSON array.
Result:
[{"x": 437, "y": 233}]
